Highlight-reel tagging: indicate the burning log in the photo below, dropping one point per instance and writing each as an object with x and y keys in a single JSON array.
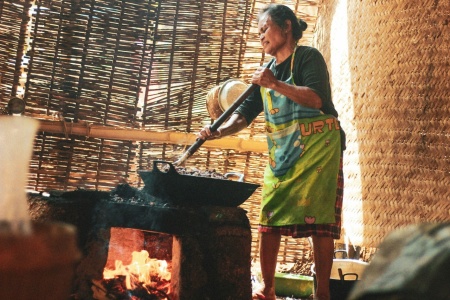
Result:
[
  {"x": 144, "y": 279},
  {"x": 116, "y": 288}
]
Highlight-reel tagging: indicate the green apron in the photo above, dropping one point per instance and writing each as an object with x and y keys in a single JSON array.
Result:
[{"x": 300, "y": 180}]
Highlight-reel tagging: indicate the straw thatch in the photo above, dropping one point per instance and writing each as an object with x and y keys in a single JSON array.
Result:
[{"x": 145, "y": 67}]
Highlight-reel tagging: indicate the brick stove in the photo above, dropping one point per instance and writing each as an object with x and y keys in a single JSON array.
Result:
[{"x": 210, "y": 245}]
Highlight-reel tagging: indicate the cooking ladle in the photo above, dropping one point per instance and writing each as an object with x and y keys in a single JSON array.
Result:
[{"x": 226, "y": 114}]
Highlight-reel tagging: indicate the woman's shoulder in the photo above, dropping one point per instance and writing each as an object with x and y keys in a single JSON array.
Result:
[
  {"x": 307, "y": 55},
  {"x": 307, "y": 51}
]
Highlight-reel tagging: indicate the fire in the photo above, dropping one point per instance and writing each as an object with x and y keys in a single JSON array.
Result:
[
  {"x": 143, "y": 272},
  {"x": 142, "y": 267}
]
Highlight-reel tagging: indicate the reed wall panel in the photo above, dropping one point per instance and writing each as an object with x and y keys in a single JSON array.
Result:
[{"x": 390, "y": 72}]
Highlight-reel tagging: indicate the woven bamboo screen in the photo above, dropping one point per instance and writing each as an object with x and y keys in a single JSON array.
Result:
[
  {"x": 389, "y": 62},
  {"x": 149, "y": 64},
  {"x": 141, "y": 65}
]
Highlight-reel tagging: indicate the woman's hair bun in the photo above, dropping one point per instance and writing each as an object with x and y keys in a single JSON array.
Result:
[{"x": 303, "y": 24}]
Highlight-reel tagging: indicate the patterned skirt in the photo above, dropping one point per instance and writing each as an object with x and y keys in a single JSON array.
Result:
[{"x": 322, "y": 230}]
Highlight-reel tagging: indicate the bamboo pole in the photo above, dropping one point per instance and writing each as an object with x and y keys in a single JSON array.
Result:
[{"x": 129, "y": 134}]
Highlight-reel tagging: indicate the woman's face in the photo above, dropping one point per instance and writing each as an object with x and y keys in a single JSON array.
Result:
[{"x": 272, "y": 36}]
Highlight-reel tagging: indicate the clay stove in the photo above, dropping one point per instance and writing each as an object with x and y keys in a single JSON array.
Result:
[{"x": 210, "y": 245}]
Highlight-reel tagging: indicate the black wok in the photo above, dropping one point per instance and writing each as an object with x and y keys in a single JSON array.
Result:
[{"x": 178, "y": 189}]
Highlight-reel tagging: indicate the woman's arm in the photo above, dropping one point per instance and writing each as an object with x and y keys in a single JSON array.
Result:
[
  {"x": 300, "y": 94},
  {"x": 235, "y": 123}
]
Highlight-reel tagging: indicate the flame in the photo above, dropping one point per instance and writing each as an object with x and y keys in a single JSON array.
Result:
[{"x": 142, "y": 268}]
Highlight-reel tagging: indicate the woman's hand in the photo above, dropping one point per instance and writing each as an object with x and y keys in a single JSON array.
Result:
[
  {"x": 264, "y": 77},
  {"x": 235, "y": 123},
  {"x": 207, "y": 134},
  {"x": 300, "y": 94}
]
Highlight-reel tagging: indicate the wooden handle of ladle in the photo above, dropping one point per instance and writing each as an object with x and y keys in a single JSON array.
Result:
[{"x": 226, "y": 114}]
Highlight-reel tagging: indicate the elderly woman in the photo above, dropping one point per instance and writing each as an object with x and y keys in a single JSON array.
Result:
[{"x": 302, "y": 192}]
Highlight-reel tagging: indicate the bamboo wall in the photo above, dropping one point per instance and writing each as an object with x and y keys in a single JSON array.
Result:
[
  {"x": 390, "y": 70},
  {"x": 147, "y": 66}
]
